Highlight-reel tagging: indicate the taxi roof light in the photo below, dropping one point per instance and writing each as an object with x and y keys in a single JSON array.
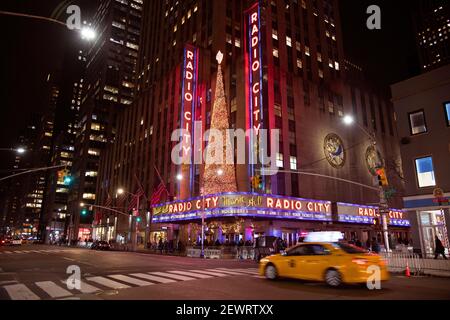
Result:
[{"x": 326, "y": 236}]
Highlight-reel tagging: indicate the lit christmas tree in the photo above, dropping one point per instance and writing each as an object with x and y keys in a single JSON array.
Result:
[{"x": 219, "y": 178}]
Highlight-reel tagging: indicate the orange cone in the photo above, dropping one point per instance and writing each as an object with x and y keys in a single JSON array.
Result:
[{"x": 408, "y": 272}]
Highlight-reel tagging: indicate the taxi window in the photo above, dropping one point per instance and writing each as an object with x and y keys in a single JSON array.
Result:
[
  {"x": 350, "y": 249},
  {"x": 320, "y": 250},
  {"x": 305, "y": 250}
]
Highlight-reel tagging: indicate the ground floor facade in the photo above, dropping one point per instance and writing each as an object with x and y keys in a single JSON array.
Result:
[{"x": 429, "y": 219}]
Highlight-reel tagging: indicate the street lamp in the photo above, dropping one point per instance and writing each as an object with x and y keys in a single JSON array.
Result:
[
  {"x": 349, "y": 120},
  {"x": 18, "y": 150},
  {"x": 121, "y": 191},
  {"x": 88, "y": 33}
]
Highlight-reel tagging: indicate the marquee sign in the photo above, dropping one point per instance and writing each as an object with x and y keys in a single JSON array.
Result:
[
  {"x": 352, "y": 213},
  {"x": 244, "y": 204},
  {"x": 254, "y": 80}
]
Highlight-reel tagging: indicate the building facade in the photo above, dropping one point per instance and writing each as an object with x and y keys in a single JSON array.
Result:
[
  {"x": 422, "y": 105},
  {"x": 283, "y": 68},
  {"x": 108, "y": 88}
]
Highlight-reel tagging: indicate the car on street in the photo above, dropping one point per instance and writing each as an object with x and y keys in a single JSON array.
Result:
[
  {"x": 100, "y": 245},
  {"x": 334, "y": 263}
]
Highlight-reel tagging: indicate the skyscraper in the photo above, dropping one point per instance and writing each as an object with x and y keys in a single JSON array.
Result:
[
  {"x": 432, "y": 21},
  {"x": 107, "y": 90},
  {"x": 283, "y": 69}
]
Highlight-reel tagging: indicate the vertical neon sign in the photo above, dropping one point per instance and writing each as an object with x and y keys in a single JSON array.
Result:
[
  {"x": 254, "y": 82},
  {"x": 188, "y": 110}
]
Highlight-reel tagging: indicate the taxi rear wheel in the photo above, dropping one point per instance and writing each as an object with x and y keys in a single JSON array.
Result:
[
  {"x": 333, "y": 278},
  {"x": 271, "y": 272}
]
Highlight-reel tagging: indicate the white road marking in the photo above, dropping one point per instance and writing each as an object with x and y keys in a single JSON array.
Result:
[
  {"x": 19, "y": 252},
  {"x": 8, "y": 252},
  {"x": 152, "y": 278},
  {"x": 53, "y": 290},
  {"x": 173, "y": 276},
  {"x": 68, "y": 259},
  {"x": 191, "y": 274},
  {"x": 241, "y": 270},
  {"x": 140, "y": 283},
  {"x": 108, "y": 283},
  {"x": 216, "y": 274},
  {"x": 85, "y": 288},
  {"x": 234, "y": 273},
  {"x": 20, "y": 292}
]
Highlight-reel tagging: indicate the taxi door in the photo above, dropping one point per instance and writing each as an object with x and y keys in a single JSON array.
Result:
[
  {"x": 295, "y": 262},
  {"x": 317, "y": 262}
]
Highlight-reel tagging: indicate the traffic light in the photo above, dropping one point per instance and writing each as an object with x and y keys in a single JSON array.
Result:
[
  {"x": 382, "y": 178},
  {"x": 138, "y": 219},
  {"x": 376, "y": 222},
  {"x": 257, "y": 182},
  {"x": 84, "y": 212}
]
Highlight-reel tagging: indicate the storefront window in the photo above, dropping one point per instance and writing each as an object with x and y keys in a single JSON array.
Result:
[{"x": 432, "y": 223}]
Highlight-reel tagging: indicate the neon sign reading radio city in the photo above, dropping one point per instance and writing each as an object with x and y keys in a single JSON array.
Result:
[
  {"x": 189, "y": 93},
  {"x": 255, "y": 80}
]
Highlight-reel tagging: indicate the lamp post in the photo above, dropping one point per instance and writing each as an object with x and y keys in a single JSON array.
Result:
[
  {"x": 134, "y": 220},
  {"x": 349, "y": 120}
]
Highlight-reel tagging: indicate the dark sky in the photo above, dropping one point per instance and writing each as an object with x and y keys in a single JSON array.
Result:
[
  {"x": 32, "y": 49},
  {"x": 388, "y": 55}
]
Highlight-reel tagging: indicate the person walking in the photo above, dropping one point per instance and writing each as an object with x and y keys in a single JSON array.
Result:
[{"x": 439, "y": 249}]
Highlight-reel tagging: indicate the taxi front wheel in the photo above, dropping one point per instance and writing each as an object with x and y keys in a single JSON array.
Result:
[
  {"x": 271, "y": 272},
  {"x": 333, "y": 278}
]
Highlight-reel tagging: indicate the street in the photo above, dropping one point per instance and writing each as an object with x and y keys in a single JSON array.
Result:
[{"x": 38, "y": 272}]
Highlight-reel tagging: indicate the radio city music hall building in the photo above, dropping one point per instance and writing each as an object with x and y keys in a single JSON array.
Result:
[{"x": 283, "y": 68}]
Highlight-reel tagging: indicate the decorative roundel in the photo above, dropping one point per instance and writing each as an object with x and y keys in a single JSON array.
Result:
[
  {"x": 372, "y": 160},
  {"x": 334, "y": 150}
]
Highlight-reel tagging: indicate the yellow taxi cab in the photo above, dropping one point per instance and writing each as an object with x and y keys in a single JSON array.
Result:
[{"x": 334, "y": 263}]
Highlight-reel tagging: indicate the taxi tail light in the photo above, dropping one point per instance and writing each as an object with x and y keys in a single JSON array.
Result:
[{"x": 360, "y": 262}]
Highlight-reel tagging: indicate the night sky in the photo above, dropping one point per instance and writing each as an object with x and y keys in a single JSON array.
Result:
[{"x": 32, "y": 49}]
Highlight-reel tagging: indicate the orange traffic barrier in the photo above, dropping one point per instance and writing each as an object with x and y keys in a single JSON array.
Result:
[{"x": 407, "y": 272}]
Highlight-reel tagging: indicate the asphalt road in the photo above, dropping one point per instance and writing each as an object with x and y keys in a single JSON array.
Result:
[{"x": 36, "y": 272}]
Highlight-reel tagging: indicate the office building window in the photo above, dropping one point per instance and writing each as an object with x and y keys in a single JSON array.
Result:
[
  {"x": 417, "y": 122},
  {"x": 425, "y": 172},
  {"x": 447, "y": 112},
  {"x": 280, "y": 160},
  {"x": 293, "y": 161}
]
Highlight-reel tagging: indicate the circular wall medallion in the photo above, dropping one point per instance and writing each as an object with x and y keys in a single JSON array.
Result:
[
  {"x": 372, "y": 160},
  {"x": 334, "y": 150}
]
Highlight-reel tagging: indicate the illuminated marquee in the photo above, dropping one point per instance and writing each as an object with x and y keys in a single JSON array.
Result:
[
  {"x": 188, "y": 104},
  {"x": 351, "y": 213},
  {"x": 244, "y": 204},
  {"x": 253, "y": 67}
]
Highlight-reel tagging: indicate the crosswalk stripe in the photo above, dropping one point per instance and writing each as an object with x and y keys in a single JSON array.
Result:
[
  {"x": 53, "y": 290},
  {"x": 8, "y": 252},
  {"x": 140, "y": 283},
  {"x": 20, "y": 292},
  {"x": 19, "y": 252},
  {"x": 234, "y": 273},
  {"x": 26, "y": 251},
  {"x": 152, "y": 278},
  {"x": 173, "y": 276},
  {"x": 85, "y": 287},
  {"x": 108, "y": 283},
  {"x": 241, "y": 270},
  {"x": 217, "y": 274},
  {"x": 36, "y": 251},
  {"x": 195, "y": 275}
]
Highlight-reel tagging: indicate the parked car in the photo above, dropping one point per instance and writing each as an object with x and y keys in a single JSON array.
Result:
[
  {"x": 100, "y": 245},
  {"x": 267, "y": 245}
]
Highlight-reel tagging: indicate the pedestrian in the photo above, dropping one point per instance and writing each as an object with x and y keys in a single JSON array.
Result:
[
  {"x": 439, "y": 249},
  {"x": 160, "y": 245},
  {"x": 375, "y": 246}
]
